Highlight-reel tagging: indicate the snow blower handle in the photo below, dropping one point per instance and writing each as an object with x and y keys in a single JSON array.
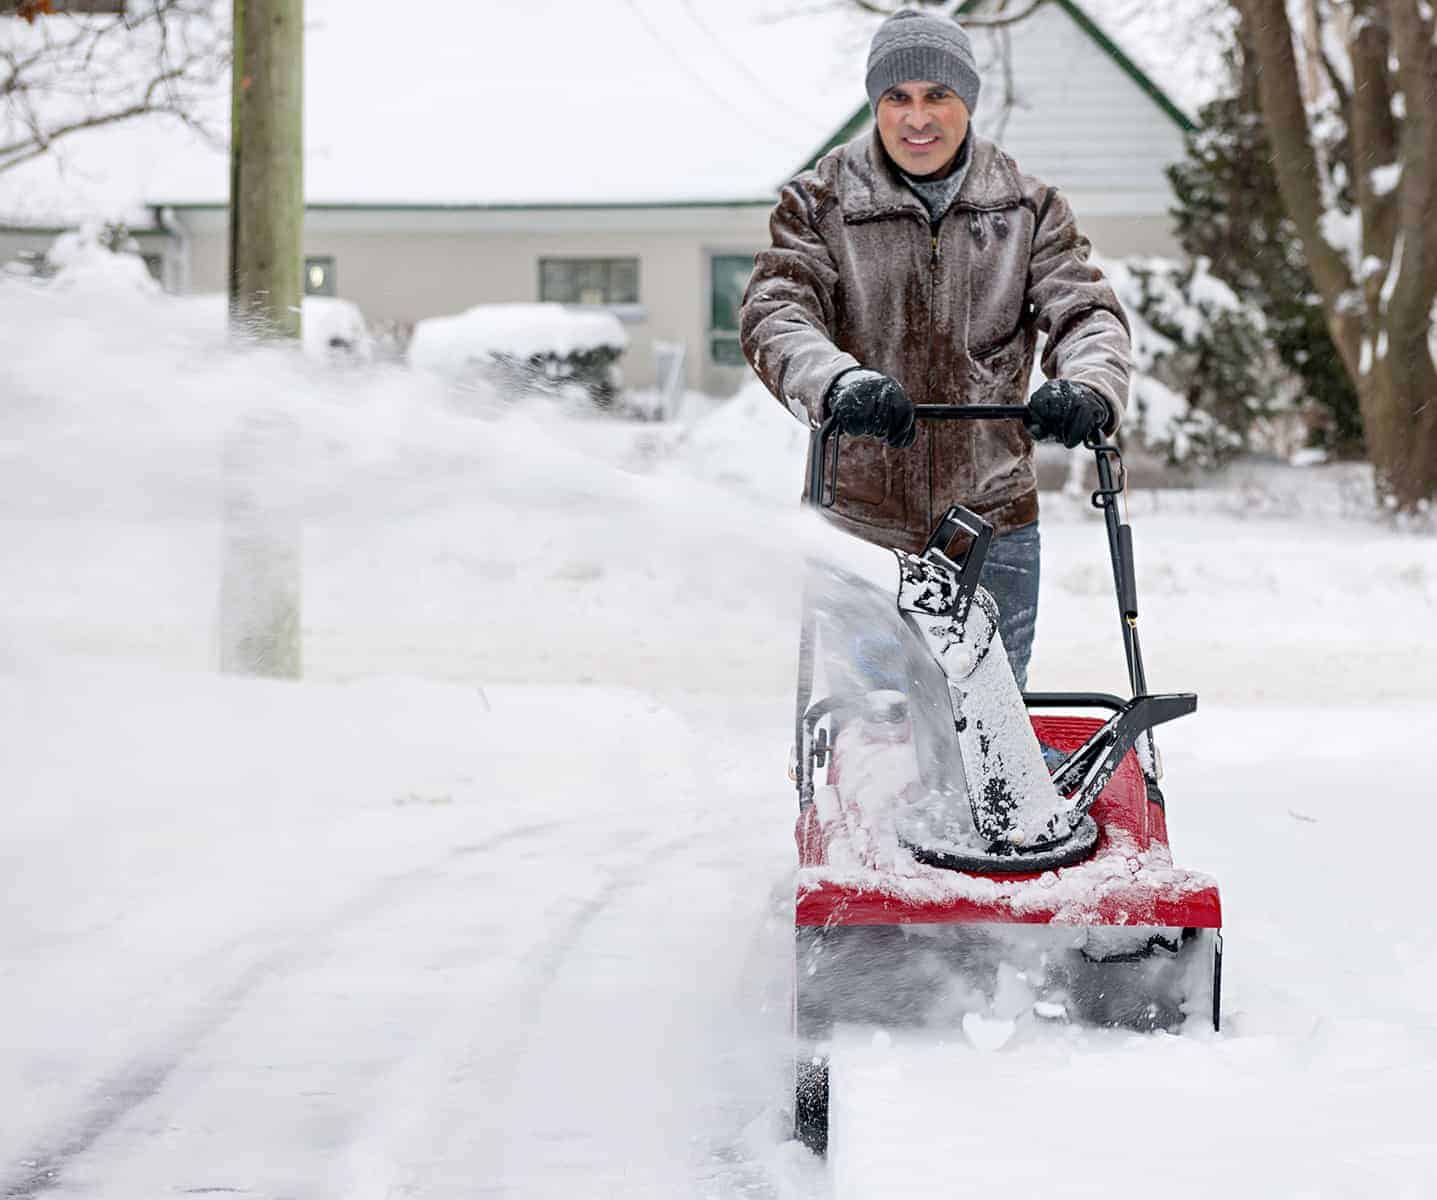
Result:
[
  {"x": 1112, "y": 480},
  {"x": 823, "y": 445}
]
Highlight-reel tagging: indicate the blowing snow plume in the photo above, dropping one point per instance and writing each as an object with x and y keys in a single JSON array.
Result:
[{"x": 443, "y": 532}]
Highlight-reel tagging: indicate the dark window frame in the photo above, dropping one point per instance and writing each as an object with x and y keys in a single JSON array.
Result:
[
  {"x": 619, "y": 279},
  {"x": 723, "y": 338},
  {"x": 331, "y": 275}
]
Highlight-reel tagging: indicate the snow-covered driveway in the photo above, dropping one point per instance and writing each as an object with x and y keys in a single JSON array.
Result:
[
  {"x": 492, "y": 903},
  {"x": 378, "y": 939}
]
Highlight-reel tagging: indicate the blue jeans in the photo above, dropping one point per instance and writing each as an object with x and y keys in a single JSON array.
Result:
[{"x": 1011, "y": 576}]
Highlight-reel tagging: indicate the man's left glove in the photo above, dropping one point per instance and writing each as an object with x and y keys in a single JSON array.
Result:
[{"x": 1067, "y": 412}]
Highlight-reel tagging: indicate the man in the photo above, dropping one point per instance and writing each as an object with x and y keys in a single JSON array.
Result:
[{"x": 917, "y": 265}]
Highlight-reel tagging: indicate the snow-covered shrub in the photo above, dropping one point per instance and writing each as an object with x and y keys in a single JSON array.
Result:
[
  {"x": 1230, "y": 211},
  {"x": 1208, "y": 384},
  {"x": 335, "y": 330},
  {"x": 526, "y": 347},
  {"x": 93, "y": 258}
]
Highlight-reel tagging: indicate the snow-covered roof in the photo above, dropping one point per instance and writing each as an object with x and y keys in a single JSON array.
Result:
[{"x": 524, "y": 102}]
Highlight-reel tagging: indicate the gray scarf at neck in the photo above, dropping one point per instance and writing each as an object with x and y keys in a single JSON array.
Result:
[{"x": 938, "y": 194}]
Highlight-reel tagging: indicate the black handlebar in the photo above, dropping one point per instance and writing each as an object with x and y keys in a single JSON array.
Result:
[
  {"x": 823, "y": 479},
  {"x": 823, "y": 484}
]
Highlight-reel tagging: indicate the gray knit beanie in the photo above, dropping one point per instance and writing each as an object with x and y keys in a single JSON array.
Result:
[{"x": 914, "y": 45}]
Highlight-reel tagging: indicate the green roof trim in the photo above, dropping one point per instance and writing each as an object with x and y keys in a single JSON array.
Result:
[
  {"x": 1129, "y": 67},
  {"x": 861, "y": 116},
  {"x": 403, "y": 206},
  {"x": 33, "y": 230},
  {"x": 845, "y": 133},
  {"x": 52, "y": 230}
]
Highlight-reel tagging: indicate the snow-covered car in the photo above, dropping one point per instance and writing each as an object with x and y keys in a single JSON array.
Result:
[{"x": 520, "y": 347}]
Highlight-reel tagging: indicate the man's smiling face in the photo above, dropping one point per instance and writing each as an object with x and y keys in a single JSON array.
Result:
[{"x": 921, "y": 125}]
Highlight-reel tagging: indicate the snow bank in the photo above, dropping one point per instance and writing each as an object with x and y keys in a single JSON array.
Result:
[
  {"x": 751, "y": 443},
  {"x": 96, "y": 276},
  {"x": 82, "y": 263},
  {"x": 517, "y": 331}
]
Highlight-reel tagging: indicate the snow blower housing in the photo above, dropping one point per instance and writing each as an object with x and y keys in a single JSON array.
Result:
[{"x": 966, "y": 851}]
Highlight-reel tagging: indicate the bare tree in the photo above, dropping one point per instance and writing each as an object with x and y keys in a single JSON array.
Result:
[
  {"x": 1348, "y": 90},
  {"x": 1001, "y": 12},
  {"x": 65, "y": 67}
]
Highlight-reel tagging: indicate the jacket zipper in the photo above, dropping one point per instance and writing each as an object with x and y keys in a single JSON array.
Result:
[{"x": 932, "y": 302}]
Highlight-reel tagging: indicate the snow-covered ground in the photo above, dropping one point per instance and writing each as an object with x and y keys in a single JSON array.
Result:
[{"x": 496, "y": 901}]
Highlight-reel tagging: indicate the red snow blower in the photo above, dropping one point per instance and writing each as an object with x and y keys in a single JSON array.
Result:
[{"x": 963, "y": 853}]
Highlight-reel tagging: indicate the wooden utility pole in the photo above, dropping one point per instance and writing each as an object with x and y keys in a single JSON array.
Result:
[
  {"x": 267, "y": 167},
  {"x": 260, "y": 589}
]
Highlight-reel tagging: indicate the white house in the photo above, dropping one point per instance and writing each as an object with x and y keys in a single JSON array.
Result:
[{"x": 615, "y": 152}]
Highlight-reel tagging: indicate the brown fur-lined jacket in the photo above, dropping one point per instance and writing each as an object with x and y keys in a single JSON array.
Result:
[{"x": 858, "y": 276}]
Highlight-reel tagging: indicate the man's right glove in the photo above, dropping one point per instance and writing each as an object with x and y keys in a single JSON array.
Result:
[
  {"x": 1067, "y": 412},
  {"x": 867, "y": 404}
]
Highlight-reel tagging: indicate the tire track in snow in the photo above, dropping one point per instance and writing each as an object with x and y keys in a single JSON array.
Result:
[
  {"x": 142, "y": 1078},
  {"x": 502, "y": 1067}
]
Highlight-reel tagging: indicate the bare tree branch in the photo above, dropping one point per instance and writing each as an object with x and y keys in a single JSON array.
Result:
[
  {"x": 1002, "y": 20},
  {"x": 881, "y": 9},
  {"x": 68, "y": 72}
]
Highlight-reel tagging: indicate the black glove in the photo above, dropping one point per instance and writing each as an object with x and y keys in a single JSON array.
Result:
[
  {"x": 867, "y": 404},
  {"x": 1067, "y": 412}
]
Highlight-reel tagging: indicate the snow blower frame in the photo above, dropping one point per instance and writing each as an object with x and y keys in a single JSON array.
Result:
[{"x": 1145, "y": 953}]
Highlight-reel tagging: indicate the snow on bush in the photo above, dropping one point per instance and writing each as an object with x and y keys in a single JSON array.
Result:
[
  {"x": 543, "y": 346},
  {"x": 96, "y": 258},
  {"x": 334, "y": 327},
  {"x": 516, "y": 330},
  {"x": 1207, "y": 384}
]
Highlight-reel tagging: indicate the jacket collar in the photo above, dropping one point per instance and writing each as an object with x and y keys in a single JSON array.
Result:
[{"x": 870, "y": 188}]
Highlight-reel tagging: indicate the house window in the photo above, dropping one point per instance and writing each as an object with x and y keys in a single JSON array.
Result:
[
  {"x": 319, "y": 277},
  {"x": 728, "y": 277},
  {"x": 589, "y": 280}
]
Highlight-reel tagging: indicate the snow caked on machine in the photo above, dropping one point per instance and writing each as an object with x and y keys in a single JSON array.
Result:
[{"x": 964, "y": 847}]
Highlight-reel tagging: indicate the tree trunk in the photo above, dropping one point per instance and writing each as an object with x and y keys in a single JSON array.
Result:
[
  {"x": 267, "y": 167},
  {"x": 1399, "y": 409},
  {"x": 260, "y": 588},
  {"x": 1379, "y": 316}
]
